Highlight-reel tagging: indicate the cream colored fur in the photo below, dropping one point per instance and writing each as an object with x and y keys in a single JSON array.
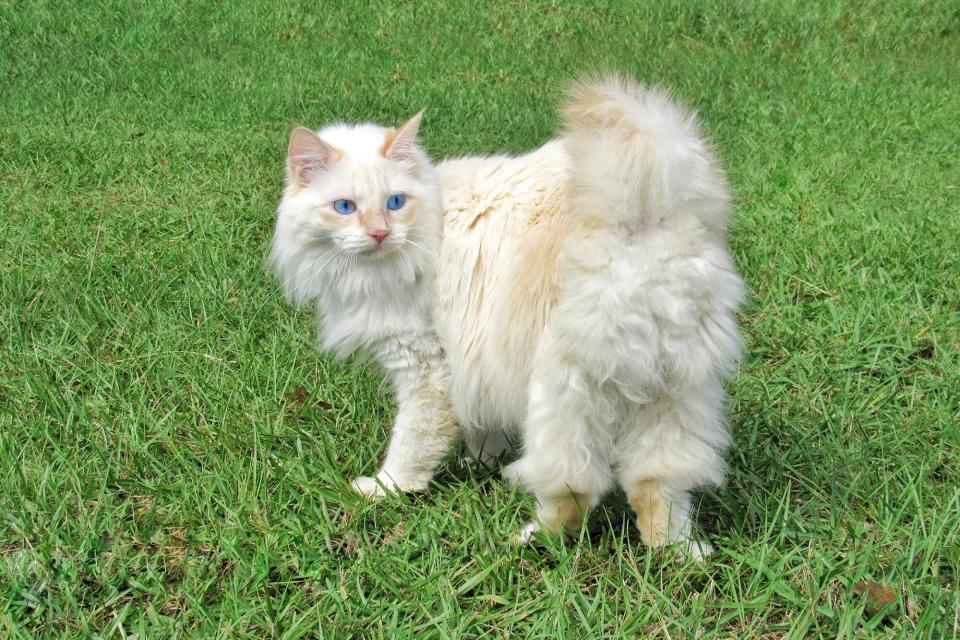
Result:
[
  {"x": 586, "y": 302},
  {"x": 585, "y": 299}
]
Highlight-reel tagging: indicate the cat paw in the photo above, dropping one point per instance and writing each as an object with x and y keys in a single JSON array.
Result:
[
  {"x": 684, "y": 549},
  {"x": 698, "y": 550},
  {"x": 527, "y": 533},
  {"x": 369, "y": 487}
]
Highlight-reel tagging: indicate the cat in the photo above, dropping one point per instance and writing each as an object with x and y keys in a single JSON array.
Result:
[
  {"x": 359, "y": 211},
  {"x": 585, "y": 299}
]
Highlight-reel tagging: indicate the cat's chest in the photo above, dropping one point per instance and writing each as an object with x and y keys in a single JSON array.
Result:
[{"x": 356, "y": 320}]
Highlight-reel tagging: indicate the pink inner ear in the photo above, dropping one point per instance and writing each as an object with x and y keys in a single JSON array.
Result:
[
  {"x": 308, "y": 155},
  {"x": 403, "y": 141}
]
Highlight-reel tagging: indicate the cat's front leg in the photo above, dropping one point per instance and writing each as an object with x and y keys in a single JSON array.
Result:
[{"x": 424, "y": 434}]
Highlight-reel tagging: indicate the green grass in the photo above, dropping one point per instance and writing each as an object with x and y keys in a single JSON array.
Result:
[{"x": 176, "y": 452}]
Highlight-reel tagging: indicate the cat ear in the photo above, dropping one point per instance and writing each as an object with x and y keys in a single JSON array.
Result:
[
  {"x": 307, "y": 156},
  {"x": 401, "y": 142}
]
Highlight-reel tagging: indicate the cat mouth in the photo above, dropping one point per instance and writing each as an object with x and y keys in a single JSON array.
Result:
[{"x": 378, "y": 251}]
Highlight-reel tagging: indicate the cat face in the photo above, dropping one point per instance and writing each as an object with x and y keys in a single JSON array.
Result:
[
  {"x": 358, "y": 190},
  {"x": 360, "y": 214}
]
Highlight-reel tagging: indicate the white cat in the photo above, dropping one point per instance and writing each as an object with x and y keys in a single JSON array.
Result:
[
  {"x": 360, "y": 208},
  {"x": 585, "y": 299}
]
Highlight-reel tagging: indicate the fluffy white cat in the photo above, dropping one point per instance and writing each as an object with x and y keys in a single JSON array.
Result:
[
  {"x": 584, "y": 296},
  {"x": 360, "y": 208}
]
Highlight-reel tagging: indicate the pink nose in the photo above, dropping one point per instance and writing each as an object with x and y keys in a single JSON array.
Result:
[{"x": 379, "y": 235}]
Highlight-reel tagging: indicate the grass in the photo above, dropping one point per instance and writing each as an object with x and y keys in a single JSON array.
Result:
[{"x": 177, "y": 452}]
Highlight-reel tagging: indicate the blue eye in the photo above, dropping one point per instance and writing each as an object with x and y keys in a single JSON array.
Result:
[
  {"x": 396, "y": 201},
  {"x": 344, "y": 207}
]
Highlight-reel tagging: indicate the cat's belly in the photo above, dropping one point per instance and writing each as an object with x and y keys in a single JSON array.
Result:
[{"x": 497, "y": 280}]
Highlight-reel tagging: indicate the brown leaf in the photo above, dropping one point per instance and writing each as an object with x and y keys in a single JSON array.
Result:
[
  {"x": 297, "y": 396},
  {"x": 300, "y": 395},
  {"x": 879, "y": 596}
]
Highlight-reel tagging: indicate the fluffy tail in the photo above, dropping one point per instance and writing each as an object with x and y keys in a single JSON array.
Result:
[{"x": 638, "y": 157}]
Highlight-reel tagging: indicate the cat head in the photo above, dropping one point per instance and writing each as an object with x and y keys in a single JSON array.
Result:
[{"x": 361, "y": 201}]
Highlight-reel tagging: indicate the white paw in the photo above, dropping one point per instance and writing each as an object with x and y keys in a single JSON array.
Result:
[
  {"x": 698, "y": 550},
  {"x": 369, "y": 487},
  {"x": 527, "y": 533}
]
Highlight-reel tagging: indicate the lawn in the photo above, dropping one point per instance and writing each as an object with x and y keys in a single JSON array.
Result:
[{"x": 177, "y": 453}]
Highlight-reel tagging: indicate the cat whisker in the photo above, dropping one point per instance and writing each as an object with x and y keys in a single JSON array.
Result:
[
  {"x": 408, "y": 264},
  {"x": 327, "y": 257},
  {"x": 422, "y": 248}
]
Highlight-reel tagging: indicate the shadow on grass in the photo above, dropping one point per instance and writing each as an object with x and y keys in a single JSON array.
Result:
[{"x": 764, "y": 467}]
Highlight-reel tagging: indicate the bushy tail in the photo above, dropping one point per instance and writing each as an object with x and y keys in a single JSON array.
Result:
[{"x": 637, "y": 156}]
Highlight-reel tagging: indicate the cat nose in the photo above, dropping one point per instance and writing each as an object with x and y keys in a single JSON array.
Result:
[{"x": 379, "y": 234}]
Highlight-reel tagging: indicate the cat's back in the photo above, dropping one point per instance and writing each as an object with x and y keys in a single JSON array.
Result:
[
  {"x": 497, "y": 281},
  {"x": 475, "y": 186}
]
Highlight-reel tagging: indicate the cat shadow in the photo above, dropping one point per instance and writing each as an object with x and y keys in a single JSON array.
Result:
[
  {"x": 612, "y": 519},
  {"x": 764, "y": 465},
  {"x": 719, "y": 512},
  {"x": 462, "y": 469}
]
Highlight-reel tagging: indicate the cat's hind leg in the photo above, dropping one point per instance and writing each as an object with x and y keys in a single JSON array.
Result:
[
  {"x": 567, "y": 447},
  {"x": 664, "y": 517},
  {"x": 668, "y": 448}
]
